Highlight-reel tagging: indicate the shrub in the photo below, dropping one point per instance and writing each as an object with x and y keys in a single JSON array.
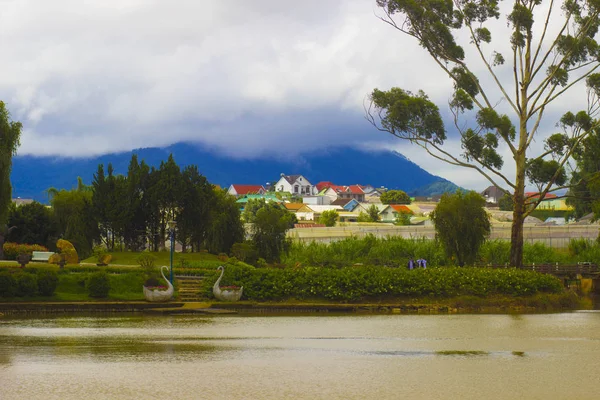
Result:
[
  {"x": 102, "y": 256},
  {"x": 47, "y": 282},
  {"x": 8, "y": 284},
  {"x": 578, "y": 246},
  {"x": 12, "y": 250},
  {"x": 375, "y": 283},
  {"x": 98, "y": 285},
  {"x": 146, "y": 261},
  {"x": 245, "y": 252},
  {"x": 26, "y": 284}
]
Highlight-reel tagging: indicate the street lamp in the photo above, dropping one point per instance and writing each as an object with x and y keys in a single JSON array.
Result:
[{"x": 172, "y": 224}]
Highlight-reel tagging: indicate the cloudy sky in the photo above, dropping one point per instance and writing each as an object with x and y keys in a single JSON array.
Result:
[{"x": 242, "y": 77}]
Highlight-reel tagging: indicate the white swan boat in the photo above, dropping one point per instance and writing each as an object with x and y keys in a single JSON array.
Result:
[
  {"x": 226, "y": 294},
  {"x": 156, "y": 295}
]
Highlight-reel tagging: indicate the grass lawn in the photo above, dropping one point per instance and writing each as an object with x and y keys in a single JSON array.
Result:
[{"x": 161, "y": 257}]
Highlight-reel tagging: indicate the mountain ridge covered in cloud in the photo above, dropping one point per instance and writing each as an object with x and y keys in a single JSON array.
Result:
[{"x": 32, "y": 176}]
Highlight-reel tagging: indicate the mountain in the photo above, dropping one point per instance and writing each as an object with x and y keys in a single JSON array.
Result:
[
  {"x": 438, "y": 187},
  {"x": 32, "y": 176}
]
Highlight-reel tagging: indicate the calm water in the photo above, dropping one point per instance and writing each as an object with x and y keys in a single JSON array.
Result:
[{"x": 301, "y": 357}]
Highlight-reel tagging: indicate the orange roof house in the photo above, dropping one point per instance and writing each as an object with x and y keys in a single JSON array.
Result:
[{"x": 401, "y": 208}]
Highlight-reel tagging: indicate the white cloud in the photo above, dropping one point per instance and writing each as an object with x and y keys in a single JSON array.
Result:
[{"x": 243, "y": 77}]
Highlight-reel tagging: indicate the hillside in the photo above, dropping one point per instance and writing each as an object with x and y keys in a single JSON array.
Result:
[{"x": 32, "y": 176}]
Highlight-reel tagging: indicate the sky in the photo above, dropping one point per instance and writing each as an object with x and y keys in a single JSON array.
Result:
[{"x": 248, "y": 79}]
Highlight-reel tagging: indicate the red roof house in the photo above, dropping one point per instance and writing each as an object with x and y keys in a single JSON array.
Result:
[{"x": 242, "y": 190}]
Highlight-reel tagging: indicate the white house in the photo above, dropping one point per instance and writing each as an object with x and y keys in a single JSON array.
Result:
[
  {"x": 316, "y": 200},
  {"x": 296, "y": 185}
]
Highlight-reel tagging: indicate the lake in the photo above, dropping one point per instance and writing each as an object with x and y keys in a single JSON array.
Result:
[{"x": 541, "y": 356}]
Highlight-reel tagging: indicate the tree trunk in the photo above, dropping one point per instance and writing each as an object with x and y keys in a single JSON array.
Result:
[{"x": 516, "y": 235}]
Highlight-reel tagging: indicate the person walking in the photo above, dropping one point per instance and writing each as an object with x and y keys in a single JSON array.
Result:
[
  {"x": 419, "y": 263},
  {"x": 424, "y": 263},
  {"x": 411, "y": 264}
]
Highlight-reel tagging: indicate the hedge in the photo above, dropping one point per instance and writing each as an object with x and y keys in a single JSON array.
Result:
[{"x": 373, "y": 283}]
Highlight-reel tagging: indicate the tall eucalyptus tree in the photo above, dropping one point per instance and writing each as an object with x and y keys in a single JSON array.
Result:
[{"x": 551, "y": 48}]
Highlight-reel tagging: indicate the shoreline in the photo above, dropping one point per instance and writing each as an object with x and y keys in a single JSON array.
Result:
[{"x": 547, "y": 303}]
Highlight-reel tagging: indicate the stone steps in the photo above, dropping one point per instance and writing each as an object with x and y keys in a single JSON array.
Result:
[{"x": 189, "y": 288}]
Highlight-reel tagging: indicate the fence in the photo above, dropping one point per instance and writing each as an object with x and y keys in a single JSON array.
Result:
[{"x": 557, "y": 236}]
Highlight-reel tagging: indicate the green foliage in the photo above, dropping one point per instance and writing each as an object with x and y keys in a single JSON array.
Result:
[
  {"x": 47, "y": 282},
  {"x": 146, "y": 260},
  {"x": 225, "y": 226},
  {"x": 462, "y": 225},
  {"x": 269, "y": 227},
  {"x": 505, "y": 203},
  {"x": 580, "y": 246},
  {"x": 75, "y": 217},
  {"x": 539, "y": 172},
  {"x": 10, "y": 135},
  {"x": 372, "y": 214},
  {"x": 545, "y": 63},
  {"x": 361, "y": 283},
  {"x": 329, "y": 217},
  {"x": 26, "y": 284},
  {"x": 35, "y": 225},
  {"x": 390, "y": 251},
  {"x": 245, "y": 252},
  {"x": 403, "y": 219},
  {"x": 395, "y": 197},
  {"x": 8, "y": 284},
  {"x": 12, "y": 250},
  {"x": 98, "y": 285}
]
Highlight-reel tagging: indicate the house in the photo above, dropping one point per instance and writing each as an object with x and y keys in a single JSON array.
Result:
[
  {"x": 313, "y": 212},
  {"x": 554, "y": 204},
  {"x": 242, "y": 190},
  {"x": 536, "y": 195},
  {"x": 348, "y": 216},
  {"x": 323, "y": 185},
  {"x": 401, "y": 208},
  {"x": 296, "y": 185},
  {"x": 492, "y": 194},
  {"x": 342, "y": 192},
  {"x": 21, "y": 202},
  {"x": 387, "y": 213},
  {"x": 373, "y": 196},
  {"x": 319, "y": 200},
  {"x": 294, "y": 207},
  {"x": 267, "y": 197},
  {"x": 347, "y": 204},
  {"x": 363, "y": 207}
]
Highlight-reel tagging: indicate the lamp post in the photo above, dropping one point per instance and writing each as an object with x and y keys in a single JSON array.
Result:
[{"x": 172, "y": 225}]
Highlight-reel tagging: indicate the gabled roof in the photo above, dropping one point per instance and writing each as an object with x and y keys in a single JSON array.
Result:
[
  {"x": 294, "y": 206},
  {"x": 355, "y": 189},
  {"x": 248, "y": 189},
  {"x": 291, "y": 178},
  {"x": 401, "y": 208},
  {"x": 493, "y": 191},
  {"x": 341, "y": 202},
  {"x": 535, "y": 195},
  {"x": 323, "y": 185}
]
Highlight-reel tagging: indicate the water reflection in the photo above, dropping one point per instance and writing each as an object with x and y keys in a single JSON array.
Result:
[{"x": 341, "y": 357}]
